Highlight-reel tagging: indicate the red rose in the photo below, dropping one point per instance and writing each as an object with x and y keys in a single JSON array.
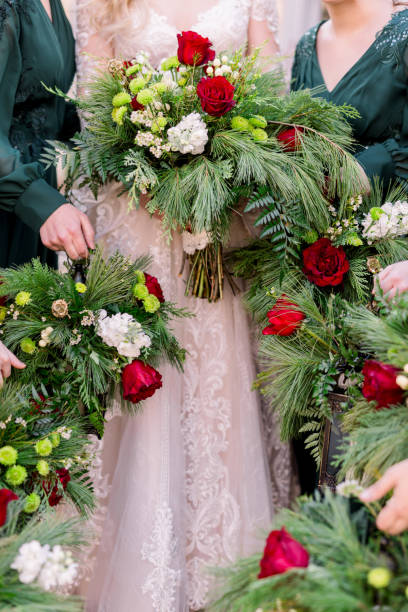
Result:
[
  {"x": 6, "y": 496},
  {"x": 154, "y": 288},
  {"x": 281, "y": 554},
  {"x": 284, "y": 319},
  {"x": 290, "y": 138},
  {"x": 380, "y": 384},
  {"x": 55, "y": 495},
  {"x": 140, "y": 381},
  {"x": 216, "y": 95},
  {"x": 136, "y": 105},
  {"x": 325, "y": 264},
  {"x": 193, "y": 49}
]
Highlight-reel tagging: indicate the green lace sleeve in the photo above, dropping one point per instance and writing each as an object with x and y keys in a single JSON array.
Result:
[{"x": 23, "y": 189}]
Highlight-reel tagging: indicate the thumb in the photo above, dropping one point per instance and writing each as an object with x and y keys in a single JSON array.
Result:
[
  {"x": 380, "y": 488},
  {"x": 16, "y": 363}
]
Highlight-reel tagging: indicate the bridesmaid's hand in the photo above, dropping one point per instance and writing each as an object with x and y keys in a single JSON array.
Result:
[
  {"x": 69, "y": 230},
  {"x": 7, "y": 361},
  {"x": 394, "y": 279},
  {"x": 393, "y": 518}
]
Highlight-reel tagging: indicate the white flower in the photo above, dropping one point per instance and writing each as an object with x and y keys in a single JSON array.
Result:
[
  {"x": 393, "y": 222},
  {"x": 210, "y": 70},
  {"x": 402, "y": 382},
  {"x": 189, "y": 136},
  {"x": 217, "y": 62},
  {"x": 29, "y": 561},
  {"x": 224, "y": 59},
  {"x": 194, "y": 242},
  {"x": 122, "y": 332},
  {"x": 58, "y": 571},
  {"x": 350, "y": 488},
  {"x": 218, "y": 72}
]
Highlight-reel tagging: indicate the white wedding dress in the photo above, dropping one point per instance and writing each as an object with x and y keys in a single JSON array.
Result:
[{"x": 185, "y": 485}]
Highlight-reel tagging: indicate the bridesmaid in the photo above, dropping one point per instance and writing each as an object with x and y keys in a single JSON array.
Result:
[
  {"x": 359, "y": 56},
  {"x": 36, "y": 45}
]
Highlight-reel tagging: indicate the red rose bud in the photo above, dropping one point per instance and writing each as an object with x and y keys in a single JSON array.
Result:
[
  {"x": 290, "y": 138},
  {"x": 136, "y": 105},
  {"x": 6, "y": 496},
  {"x": 55, "y": 495},
  {"x": 324, "y": 264},
  {"x": 281, "y": 554},
  {"x": 193, "y": 49},
  {"x": 140, "y": 381},
  {"x": 380, "y": 384},
  {"x": 154, "y": 287},
  {"x": 284, "y": 319},
  {"x": 216, "y": 95}
]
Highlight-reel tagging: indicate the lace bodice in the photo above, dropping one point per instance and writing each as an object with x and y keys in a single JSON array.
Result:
[{"x": 225, "y": 22}]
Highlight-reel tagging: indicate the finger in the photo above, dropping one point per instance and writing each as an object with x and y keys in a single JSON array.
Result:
[
  {"x": 398, "y": 526},
  {"x": 6, "y": 368},
  {"x": 16, "y": 363},
  {"x": 80, "y": 244},
  {"x": 70, "y": 250},
  {"x": 387, "y": 517},
  {"x": 88, "y": 231},
  {"x": 380, "y": 488}
]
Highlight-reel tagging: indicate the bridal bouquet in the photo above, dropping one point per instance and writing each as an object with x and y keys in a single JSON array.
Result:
[
  {"x": 329, "y": 556},
  {"x": 197, "y": 135},
  {"x": 305, "y": 281},
  {"x": 81, "y": 336}
]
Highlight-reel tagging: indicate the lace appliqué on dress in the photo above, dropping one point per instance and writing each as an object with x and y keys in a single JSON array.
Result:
[
  {"x": 159, "y": 551},
  {"x": 265, "y": 10},
  {"x": 213, "y": 512},
  {"x": 391, "y": 42}
]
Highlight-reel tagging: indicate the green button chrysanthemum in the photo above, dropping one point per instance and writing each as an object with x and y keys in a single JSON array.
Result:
[
  {"x": 169, "y": 63},
  {"x": 8, "y": 455},
  {"x": 28, "y": 346},
  {"x": 16, "y": 475},
  {"x": 121, "y": 99},
  {"x": 151, "y": 303},
  {"x": 43, "y": 447},
  {"x": 43, "y": 467},
  {"x": 379, "y": 577},
  {"x": 23, "y": 298},
  {"x": 55, "y": 439},
  {"x": 258, "y": 121},
  {"x": 132, "y": 70},
  {"x": 118, "y": 114},
  {"x": 145, "y": 96},
  {"x": 140, "y": 291},
  {"x": 310, "y": 236},
  {"x": 259, "y": 135},
  {"x": 140, "y": 276},
  {"x": 32, "y": 503},
  {"x": 3, "y": 313},
  {"x": 240, "y": 124},
  {"x": 137, "y": 85},
  {"x": 376, "y": 212}
]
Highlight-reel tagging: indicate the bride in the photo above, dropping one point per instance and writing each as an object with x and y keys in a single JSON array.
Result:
[{"x": 189, "y": 485}]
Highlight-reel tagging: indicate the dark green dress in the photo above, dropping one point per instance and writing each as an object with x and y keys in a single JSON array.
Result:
[
  {"x": 32, "y": 50},
  {"x": 377, "y": 87}
]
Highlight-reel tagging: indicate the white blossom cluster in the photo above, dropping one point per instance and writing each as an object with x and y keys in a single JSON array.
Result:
[
  {"x": 194, "y": 242},
  {"x": 189, "y": 136},
  {"x": 349, "y": 488},
  {"x": 221, "y": 67},
  {"x": 392, "y": 221},
  {"x": 123, "y": 332},
  {"x": 52, "y": 568}
]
